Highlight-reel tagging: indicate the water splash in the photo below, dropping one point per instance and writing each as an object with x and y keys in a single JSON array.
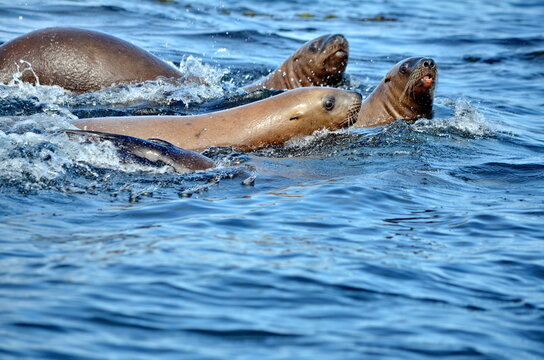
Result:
[
  {"x": 310, "y": 140},
  {"x": 201, "y": 82},
  {"x": 34, "y": 155},
  {"x": 466, "y": 121}
]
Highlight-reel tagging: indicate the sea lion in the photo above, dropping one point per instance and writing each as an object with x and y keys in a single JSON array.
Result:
[
  {"x": 271, "y": 121},
  {"x": 150, "y": 152},
  {"x": 319, "y": 62},
  {"x": 405, "y": 93},
  {"x": 78, "y": 60},
  {"x": 84, "y": 60}
]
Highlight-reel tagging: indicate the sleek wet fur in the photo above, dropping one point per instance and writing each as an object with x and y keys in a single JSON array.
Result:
[
  {"x": 78, "y": 60},
  {"x": 319, "y": 62},
  {"x": 271, "y": 121},
  {"x": 155, "y": 152},
  {"x": 83, "y": 60},
  {"x": 405, "y": 93}
]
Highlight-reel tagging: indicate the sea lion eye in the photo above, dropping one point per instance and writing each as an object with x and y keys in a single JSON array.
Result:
[
  {"x": 403, "y": 68},
  {"x": 329, "y": 103},
  {"x": 313, "y": 48}
]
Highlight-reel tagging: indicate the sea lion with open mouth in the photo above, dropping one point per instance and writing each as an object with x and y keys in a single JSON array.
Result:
[{"x": 405, "y": 93}]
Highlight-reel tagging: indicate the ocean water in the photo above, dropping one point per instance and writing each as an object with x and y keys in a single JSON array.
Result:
[{"x": 409, "y": 241}]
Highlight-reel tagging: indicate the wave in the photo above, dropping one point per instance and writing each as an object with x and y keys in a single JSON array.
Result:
[
  {"x": 467, "y": 121},
  {"x": 35, "y": 156},
  {"x": 204, "y": 82}
]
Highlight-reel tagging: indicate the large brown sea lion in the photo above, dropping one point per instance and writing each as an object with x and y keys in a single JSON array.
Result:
[
  {"x": 266, "y": 122},
  {"x": 83, "y": 60},
  {"x": 405, "y": 93},
  {"x": 319, "y": 62},
  {"x": 154, "y": 152},
  {"x": 78, "y": 60}
]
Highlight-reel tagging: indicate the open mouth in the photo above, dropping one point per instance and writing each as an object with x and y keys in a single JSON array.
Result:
[
  {"x": 340, "y": 54},
  {"x": 427, "y": 81},
  {"x": 337, "y": 61}
]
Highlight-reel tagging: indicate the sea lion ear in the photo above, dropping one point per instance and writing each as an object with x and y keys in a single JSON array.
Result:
[
  {"x": 295, "y": 116},
  {"x": 386, "y": 80}
]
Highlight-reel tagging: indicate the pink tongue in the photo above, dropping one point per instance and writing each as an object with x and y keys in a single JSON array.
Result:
[{"x": 427, "y": 81}]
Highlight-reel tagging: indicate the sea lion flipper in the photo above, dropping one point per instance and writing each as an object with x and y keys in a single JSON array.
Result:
[
  {"x": 154, "y": 152},
  {"x": 98, "y": 134},
  {"x": 160, "y": 142}
]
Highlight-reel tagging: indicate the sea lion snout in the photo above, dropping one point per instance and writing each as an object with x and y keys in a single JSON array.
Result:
[
  {"x": 337, "y": 39},
  {"x": 337, "y": 43},
  {"x": 353, "y": 112},
  {"x": 425, "y": 63},
  {"x": 428, "y": 63},
  {"x": 425, "y": 70}
]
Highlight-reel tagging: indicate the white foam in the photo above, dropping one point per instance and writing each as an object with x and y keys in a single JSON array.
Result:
[
  {"x": 201, "y": 82},
  {"x": 41, "y": 155},
  {"x": 305, "y": 141},
  {"x": 466, "y": 119}
]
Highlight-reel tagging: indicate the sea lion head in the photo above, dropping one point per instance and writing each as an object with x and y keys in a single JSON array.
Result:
[
  {"x": 302, "y": 111},
  {"x": 405, "y": 93},
  {"x": 320, "y": 62},
  {"x": 413, "y": 82}
]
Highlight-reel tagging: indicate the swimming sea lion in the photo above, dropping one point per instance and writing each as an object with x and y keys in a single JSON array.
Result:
[
  {"x": 266, "y": 122},
  {"x": 151, "y": 152},
  {"x": 83, "y": 60},
  {"x": 319, "y": 62},
  {"x": 405, "y": 93},
  {"x": 78, "y": 60}
]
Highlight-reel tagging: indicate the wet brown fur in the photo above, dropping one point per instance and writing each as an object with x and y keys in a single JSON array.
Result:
[
  {"x": 401, "y": 94},
  {"x": 271, "y": 121},
  {"x": 78, "y": 60},
  {"x": 319, "y": 62}
]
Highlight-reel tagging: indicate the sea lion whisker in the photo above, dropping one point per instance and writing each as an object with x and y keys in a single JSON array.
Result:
[{"x": 409, "y": 89}]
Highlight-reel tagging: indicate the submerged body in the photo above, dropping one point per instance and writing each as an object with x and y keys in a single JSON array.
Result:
[
  {"x": 405, "y": 93},
  {"x": 271, "y": 121},
  {"x": 152, "y": 151},
  {"x": 78, "y": 60},
  {"x": 319, "y": 62}
]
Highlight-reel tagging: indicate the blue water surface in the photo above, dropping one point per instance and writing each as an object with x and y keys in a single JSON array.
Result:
[{"x": 409, "y": 241}]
